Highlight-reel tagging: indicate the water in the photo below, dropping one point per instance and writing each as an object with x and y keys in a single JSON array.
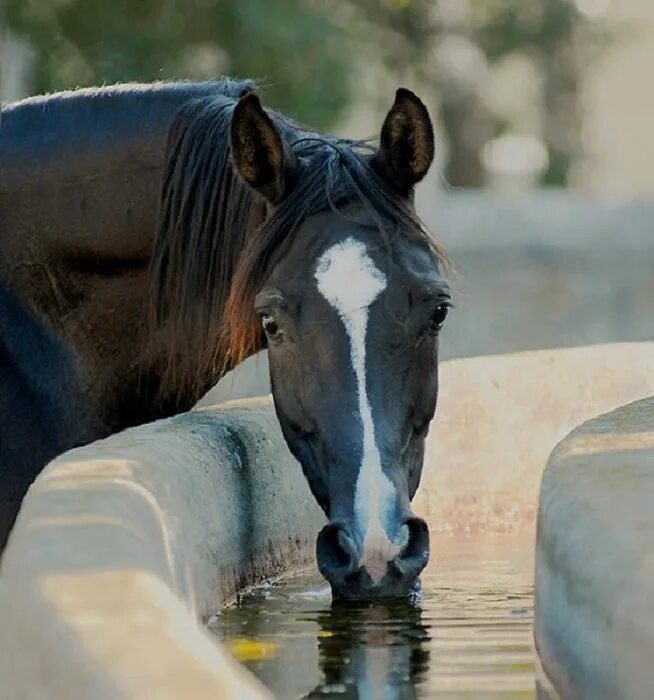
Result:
[{"x": 469, "y": 636}]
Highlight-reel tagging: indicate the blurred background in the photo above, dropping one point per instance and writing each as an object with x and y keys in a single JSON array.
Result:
[
  {"x": 540, "y": 91},
  {"x": 543, "y": 112}
]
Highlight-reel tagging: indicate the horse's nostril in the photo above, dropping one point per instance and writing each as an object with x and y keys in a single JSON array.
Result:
[
  {"x": 336, "y": 551},
  {"x": 415, "y": 555}
]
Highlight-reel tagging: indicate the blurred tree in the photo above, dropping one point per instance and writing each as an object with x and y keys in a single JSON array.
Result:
[
  {"x": 451, "y": 43},
  {"x": 297, "y": 48},
  {"x": 550, "y": 32},
  {"x": 304, "y": 50}
]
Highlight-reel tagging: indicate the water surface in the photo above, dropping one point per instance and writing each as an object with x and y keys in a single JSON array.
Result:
[{"x": 468, "y": 636}]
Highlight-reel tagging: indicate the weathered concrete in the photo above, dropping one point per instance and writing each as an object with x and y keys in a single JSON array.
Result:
[
  {"x": 595, "y": 559},
  {"x": 122, "y": 545},
  {"x": 498, "y": 418}
]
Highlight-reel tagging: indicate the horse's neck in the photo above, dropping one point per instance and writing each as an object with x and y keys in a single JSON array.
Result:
[
  {"x": 105, "y": 329},
  {"x": 101, "y": 317},
  {"x": 77, "y": 224}
]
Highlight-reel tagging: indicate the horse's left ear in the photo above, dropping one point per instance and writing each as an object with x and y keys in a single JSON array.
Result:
[
  {"x": 406, "y": 144},
  {"x": 258, "y": 151}
]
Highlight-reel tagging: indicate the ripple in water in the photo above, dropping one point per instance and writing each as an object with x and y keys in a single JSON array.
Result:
[{"x": 469, "y": 635}]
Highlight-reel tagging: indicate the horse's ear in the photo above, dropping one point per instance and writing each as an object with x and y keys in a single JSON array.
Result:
[
  {"x": 258, "y": 151},
  {"x": 406, "y": 145}
]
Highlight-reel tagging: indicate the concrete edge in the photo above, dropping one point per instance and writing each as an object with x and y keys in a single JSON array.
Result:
[
  {"x": 594, "y": 567},
  {"x": 113, "y": 558},
  {"x": 498, "y": 418}
]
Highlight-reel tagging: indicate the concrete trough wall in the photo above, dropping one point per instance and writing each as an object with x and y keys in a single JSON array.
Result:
[
  {"x": 595, "y": 559},
  {"x": 121, "y": 547},
  {"x": 498, "y": 418}
]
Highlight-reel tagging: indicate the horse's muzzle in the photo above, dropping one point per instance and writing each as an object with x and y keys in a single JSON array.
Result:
[{"x": 340, "y": 560}]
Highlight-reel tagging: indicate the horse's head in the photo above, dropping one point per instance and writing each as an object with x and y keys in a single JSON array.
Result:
[{"x": 351, "y": 305}]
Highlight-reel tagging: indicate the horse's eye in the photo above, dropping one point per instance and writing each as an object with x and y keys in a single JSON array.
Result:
[
  {"x": 438, "y": 317},
  {"x": 270, "y": 326}
]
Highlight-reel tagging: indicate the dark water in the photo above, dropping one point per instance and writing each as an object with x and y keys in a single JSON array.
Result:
[{"x": 469, "y": 636}]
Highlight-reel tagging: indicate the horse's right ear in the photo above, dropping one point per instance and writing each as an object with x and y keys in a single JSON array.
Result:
[{"x": 258, "y": 151}]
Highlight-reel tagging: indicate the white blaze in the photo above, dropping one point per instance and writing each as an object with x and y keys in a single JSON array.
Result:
[{"x": 348, "y": 279}]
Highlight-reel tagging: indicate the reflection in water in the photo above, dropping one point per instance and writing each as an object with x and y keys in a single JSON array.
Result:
[
  {"x": 372, "y": 651},
  {"x": 469, "y": 635}
]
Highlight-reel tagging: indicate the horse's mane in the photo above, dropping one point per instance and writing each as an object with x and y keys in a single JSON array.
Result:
[{"x": 217, "y": 239}]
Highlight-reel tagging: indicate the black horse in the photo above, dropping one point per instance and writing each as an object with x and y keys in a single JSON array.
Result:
[
  {"x": 41, "y": 400},
  {"x": 155, "y": 236}
]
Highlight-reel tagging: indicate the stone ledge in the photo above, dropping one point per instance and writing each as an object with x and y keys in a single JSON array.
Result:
[
  {"x": 498, "y": 419},
  {"x": 595, "y": 558},
  {"x": 114, "y": 557}
]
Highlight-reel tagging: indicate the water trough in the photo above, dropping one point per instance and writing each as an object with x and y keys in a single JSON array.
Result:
[{"x": 123, "y": 547}]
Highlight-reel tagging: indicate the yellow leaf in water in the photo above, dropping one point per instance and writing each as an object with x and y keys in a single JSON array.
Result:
[{"x": 251, "y": 650}]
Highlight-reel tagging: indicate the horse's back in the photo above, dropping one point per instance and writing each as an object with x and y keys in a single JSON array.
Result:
[
  {"x": 80, "y": 171},
  {"x": 70, "y": 130},
  {"x": 42, "y": 411}
]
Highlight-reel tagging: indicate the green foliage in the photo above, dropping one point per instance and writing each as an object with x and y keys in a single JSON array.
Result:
[
  {"x": 504, "y": 26},
  {"x": 296, "y": 47},
  {"x": 404, "y": 30}
]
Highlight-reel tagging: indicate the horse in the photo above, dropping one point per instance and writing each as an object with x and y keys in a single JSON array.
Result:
[
  {"x": 38, "y": 409},
  {"x": 158, "y": 235}
]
